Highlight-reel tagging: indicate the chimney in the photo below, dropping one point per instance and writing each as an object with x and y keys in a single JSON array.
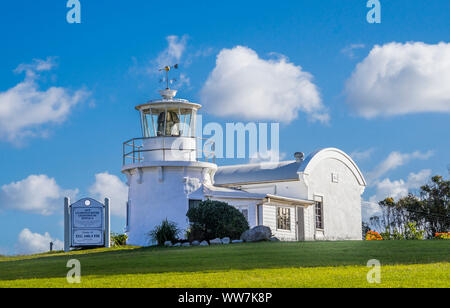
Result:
[{"x": 299, "y": 156}]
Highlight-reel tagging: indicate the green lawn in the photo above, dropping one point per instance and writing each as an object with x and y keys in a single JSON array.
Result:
[{"x": 307, "y": 264}]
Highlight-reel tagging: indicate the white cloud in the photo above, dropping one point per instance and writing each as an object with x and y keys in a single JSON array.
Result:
[
  {"x": 350, "y": 50},
  {"x": 31, "y": 243},
  {"x": 396, "y": 79},
  {"x": 110, "y": 186},
  {"x": 400, "y": 188},
  {"x": 267, "y": 156},
  {"x": 362, "y": 155},
  {"x": 243, "y": 85},
  {"x": 395, "y": 160},
  {"x": 25, "y": 109},
  {"x": 369, "y": 209},
  {"x": 36, "y": 194},
  {"x": 174, "y": 51},
  {"x": 38, "y": 65}
]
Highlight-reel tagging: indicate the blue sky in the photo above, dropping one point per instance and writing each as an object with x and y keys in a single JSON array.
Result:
[{"x": 109, "y": 55}]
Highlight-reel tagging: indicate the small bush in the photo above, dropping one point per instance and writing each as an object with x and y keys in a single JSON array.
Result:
[
  {"x": 214, "y": 219},
  {"x": 412, "y": 233},
  {"x": 166, "y": 231},
  {"x": 119, "y": 239}
]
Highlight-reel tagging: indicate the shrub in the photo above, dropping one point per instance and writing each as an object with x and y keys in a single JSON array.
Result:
[
  {"x": 166, "y": 231},
  {"x": 119, "y": 239},
  {"x": 215, "y": 219},
  {"x": 373, "y": 236},
  {"x": 412, "y": 233}
]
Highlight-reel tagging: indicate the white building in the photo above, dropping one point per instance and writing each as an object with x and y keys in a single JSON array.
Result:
[{"x": 317, "y": 198}]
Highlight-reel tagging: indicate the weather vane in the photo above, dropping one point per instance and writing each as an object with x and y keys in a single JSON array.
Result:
[{"x": 167, "y": 69}]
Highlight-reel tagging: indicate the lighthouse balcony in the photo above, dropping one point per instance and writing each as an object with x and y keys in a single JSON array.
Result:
[{"x": 148, "y": 149}]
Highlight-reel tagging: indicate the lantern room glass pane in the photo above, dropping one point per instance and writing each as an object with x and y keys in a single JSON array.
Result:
[
  {"x": 168, "y": 122},
  {"x": 185, "y": 122}
]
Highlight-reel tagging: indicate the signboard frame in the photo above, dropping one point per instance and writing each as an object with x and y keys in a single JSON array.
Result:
[{"x": 90, "y": 218}]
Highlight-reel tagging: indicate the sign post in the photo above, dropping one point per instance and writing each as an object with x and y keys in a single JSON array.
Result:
[{"x": 86, "y": 224}]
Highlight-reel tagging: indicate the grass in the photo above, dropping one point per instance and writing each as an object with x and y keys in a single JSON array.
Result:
[{"x": 306, "y": 264}]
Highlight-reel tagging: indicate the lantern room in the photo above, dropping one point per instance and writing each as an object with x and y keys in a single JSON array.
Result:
[
  {"x": 168, "y": 117},
  {"x": 168, "y": 131}
]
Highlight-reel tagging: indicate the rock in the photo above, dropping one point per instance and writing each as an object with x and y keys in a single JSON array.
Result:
[
  {"x": 257, "y": 234},
  {"x": 215, "y": 241},
  {"x": 204, "y": 243},
  {"x": 187, "y": 244},
  {"x": 168, "y": 243},
  {"x": 225, "y": 240},
  {"x": 274, "y": 239},
  {"x": 177, "y": 245},
  {"x": 195, "y": 243},
  {"x": 237, "y": 241}
]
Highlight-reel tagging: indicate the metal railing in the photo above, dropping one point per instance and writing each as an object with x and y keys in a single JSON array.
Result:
[{"x": 133, "y": 148}]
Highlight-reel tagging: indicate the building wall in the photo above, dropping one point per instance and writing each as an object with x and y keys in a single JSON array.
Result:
[
  {"x": 341, "y": 201},
  {"x": 270, "y": 220},
  {"x": 156, "y": 194}
]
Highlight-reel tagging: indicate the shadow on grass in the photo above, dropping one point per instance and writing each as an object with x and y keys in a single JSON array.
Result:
[{"x": 218, "y": 258}]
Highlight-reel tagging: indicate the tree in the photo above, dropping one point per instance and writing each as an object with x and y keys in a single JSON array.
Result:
[
  {"x": 413, "y": 217},
  {"x": 365, "y": 229},
  {"x": 215, "y": 219},
  {"x": 435, "y": 205}
]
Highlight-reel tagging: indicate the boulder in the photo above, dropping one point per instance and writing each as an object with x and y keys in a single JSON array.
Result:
[
  {"x": 177, "y": 245},
  {"x": 237, "y": 241},
  {"x": 195, "y": 243},
  {"x": 257, "y": 234},
  {"x": 187, "y": 244},
  {"x": 226, "y": 240},
  {"x": 168, "y": 243},
  {"x": 204, "y": 243},
  {"x": 215, "y": 241}
]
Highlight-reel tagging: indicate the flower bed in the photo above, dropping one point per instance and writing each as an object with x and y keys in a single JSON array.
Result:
[
  {"x": 442, "y": 236},
  {"x": 373, "y": 236}
]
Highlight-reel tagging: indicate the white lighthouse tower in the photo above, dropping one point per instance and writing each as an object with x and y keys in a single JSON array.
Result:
[{"x": 162, "y": 166}]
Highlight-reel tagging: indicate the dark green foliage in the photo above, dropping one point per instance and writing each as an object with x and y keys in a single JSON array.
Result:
[
  {"x": 215, "y": 219},
  {"x": 166, "y": 231},
  {"x": 118, "y": 239}
]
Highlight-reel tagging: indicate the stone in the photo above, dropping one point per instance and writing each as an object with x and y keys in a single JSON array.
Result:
[
  {"x": 195, "y": 243},
  {"x": 257, "y": 234},
  {"x": 168, "y": 243},
  {"x": 187, "y": 244},
  {"x": 237, "y": 241},
  {"x": 177, "y": 245},
  {"x": 215, "y": 241},
  {"x": 226, "y": 240},
  {"x": 204, "y": 243}
]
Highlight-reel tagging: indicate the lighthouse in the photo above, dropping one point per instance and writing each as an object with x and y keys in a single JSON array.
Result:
[{"x": 164, "y": 165}]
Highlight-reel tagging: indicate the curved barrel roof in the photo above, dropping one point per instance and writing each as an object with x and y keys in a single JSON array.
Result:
[{"x": 282, "y": 171}]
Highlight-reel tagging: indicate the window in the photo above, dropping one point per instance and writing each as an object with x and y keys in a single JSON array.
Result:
[
  {"x": 128, "y": 216},
  {"x": 193, "y": 203},
  {"x": 319, "y": 215},
  {"x": 283, "y": 218},
  {"x": 245, "y": 213}
]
